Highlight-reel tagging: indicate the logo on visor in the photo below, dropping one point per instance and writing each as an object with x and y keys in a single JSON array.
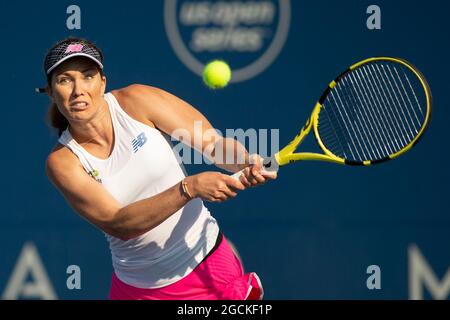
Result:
[{"x": 74, "y": 48}]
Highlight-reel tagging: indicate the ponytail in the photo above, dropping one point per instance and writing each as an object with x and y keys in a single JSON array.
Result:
[{"x": 56, "y": 119}]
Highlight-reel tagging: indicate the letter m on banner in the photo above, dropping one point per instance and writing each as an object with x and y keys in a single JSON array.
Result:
[{"x": 422, "y": 275}]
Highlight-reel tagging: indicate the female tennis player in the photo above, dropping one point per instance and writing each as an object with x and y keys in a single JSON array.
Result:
[{"x": 115, "y": 165}]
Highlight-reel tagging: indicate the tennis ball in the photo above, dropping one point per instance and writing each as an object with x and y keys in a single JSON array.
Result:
[{"x": 216, "y": 74}]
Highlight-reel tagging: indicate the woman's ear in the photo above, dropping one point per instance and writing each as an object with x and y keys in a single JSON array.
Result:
[
  {"x": 49, "y": 92},
  {"x": 103, "y": 85}
]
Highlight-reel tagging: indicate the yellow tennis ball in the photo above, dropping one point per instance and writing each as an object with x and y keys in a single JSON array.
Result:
[{"x": 216, "y": 74}]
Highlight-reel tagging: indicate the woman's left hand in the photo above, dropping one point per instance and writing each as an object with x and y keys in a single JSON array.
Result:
[{"x": 255, "y": 174}]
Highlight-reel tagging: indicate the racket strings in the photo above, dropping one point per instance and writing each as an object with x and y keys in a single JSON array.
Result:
[
  {"x": 373, "y": 111},
  {"x": 379, "y": 127}
]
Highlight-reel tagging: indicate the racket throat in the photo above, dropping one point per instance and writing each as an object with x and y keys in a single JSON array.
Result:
[{"x": 309, "y": 156}]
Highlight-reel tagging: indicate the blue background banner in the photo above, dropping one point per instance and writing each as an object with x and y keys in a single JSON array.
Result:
[{"x": 313, "y": 232}]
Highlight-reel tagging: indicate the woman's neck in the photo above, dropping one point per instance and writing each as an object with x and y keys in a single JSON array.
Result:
[{"x": 98, "y": 130}]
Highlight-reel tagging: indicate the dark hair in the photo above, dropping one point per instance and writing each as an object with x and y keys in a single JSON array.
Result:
[
  {"x": 54, "y": 117},
  {"x": 56, "y": 120}
]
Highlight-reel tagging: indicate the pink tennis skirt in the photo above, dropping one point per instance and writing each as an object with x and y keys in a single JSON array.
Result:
[{"x": 220, "y": 276}]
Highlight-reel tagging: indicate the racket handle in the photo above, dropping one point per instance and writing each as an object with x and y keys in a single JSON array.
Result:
[
  {"x": 237, "y": 175},
  {"x": 267, "y": 167}
]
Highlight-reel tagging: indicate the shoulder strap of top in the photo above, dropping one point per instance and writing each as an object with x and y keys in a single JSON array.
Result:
[{"x": 67, "y": 140}]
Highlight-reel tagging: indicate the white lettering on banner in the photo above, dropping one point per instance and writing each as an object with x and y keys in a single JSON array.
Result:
[
  {"x": 227, "y": 13},
  {"x": 256, "y": 27},
  {"x": 422, "y": 275},
  {"x": 217, "y": 39},
  {"x": 29, "y": 262}
]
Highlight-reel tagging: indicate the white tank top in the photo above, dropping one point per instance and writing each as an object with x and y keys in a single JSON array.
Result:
[{"x": 141, "y": 165}]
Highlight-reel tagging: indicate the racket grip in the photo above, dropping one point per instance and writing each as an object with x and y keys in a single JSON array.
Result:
[
  {"x": 237, "y": 175},
  {"x": 267, "y": 167}
]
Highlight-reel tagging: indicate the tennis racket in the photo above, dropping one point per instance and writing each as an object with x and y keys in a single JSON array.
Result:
[{"x": 373, "y": 112}]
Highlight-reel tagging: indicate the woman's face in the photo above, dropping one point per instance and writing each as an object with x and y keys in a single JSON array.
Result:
[{"x": 77, "y": 88}]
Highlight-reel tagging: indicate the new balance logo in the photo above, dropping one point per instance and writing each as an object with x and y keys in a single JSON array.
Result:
[
  {"x": 138, "y": 142},
  {"x": 74, "y": 48}
]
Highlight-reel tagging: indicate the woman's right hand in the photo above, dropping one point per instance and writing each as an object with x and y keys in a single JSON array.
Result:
[{"x": 213, "y": 186}]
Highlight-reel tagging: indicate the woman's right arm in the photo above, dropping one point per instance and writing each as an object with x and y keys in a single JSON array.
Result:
[{"x": 94, "y": 203}]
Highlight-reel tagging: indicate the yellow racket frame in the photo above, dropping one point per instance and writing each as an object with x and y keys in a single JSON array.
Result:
[{"x": 288, "y": 155}]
